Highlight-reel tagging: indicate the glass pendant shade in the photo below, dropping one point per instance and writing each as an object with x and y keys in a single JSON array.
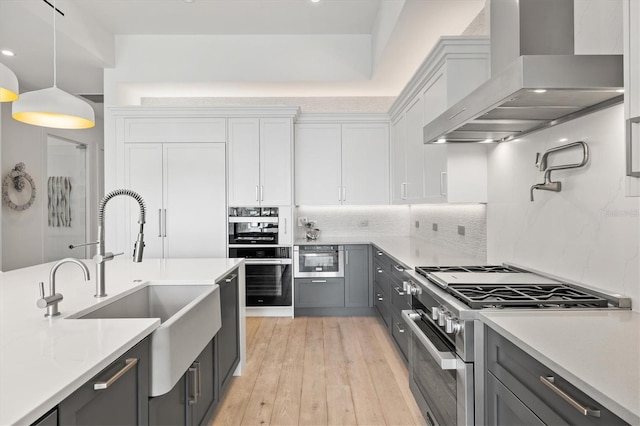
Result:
[
  {"x": 8, "y": 85},
  {"x": 55, "y": 108}
]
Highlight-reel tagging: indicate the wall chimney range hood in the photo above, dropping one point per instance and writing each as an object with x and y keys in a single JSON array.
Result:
[{"x": 536, "y": 80}]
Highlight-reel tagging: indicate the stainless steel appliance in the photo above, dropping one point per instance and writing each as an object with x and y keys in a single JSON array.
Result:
[
  {"x": 268, "y": 278},
  {"x": 253, "y": 225},
  {"x": 314, "y": 261},
  {"x": 446, "y": 301}
]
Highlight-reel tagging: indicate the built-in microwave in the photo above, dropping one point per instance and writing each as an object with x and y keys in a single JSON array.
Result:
[{"x": 312, "y": 261}]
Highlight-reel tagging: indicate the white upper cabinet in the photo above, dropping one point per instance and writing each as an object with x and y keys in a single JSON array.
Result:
[
  {"x": 342, "y": 163},
  {"x": 260, "y": 161},
  {"x": 454, "y": 68},
  {"x": 632, "y": 94}
]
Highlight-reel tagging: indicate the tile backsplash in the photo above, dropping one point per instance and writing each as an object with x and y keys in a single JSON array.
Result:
[{"x": 400, "y": 221}]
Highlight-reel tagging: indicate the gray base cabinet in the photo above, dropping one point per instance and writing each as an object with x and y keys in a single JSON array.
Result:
[
  {"x": 357, "y": 286},
  {"x": 228, "y": 337},
  {"x": 516, "y": 392},
  {"x": 319, "y": 293},
  {"x": 192, "y": 398},
  {"x": 118, "y": 395},
  {"x": 49, "y": 419},
  {"x": 390, "y": 298}
]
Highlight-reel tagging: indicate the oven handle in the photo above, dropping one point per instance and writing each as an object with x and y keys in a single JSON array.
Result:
[
  {"x": 267, "y": 261},
  {"x": 446, "y": 360}
]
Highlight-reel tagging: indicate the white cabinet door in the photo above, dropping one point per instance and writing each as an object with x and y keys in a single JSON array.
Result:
[
  {"x": 435, "y": 173},
  {"x": 143, "y": 170},
  {"x": 275, "y": 161},
  {"x": 434, "y": 96},
  {"x": 244, "y": 161},
  {"x": 365, "y": 163},
  {"x": 318, "y": 164},
  {"x": 398, "y": 160},
  {"x": 183, "y": 186},
  {"x": 194, "y": 196},
  {"x": 414, "y": 191}
]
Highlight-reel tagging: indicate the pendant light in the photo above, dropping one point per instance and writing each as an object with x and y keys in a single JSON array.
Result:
[
  {"x": 8, "y": 84},
  {"x": 53, "y": 107}
]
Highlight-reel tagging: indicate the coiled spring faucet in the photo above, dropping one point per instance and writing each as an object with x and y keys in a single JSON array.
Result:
[{"x": 102, "y": 256}]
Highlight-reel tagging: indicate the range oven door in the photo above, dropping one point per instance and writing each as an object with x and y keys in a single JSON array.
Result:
[
  {"x": 268, "y": 282},
  {"x": 441, "y": 383}
]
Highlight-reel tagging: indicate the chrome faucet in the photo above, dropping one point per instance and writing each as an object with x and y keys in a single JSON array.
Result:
[
  {"x": 541, "y": 163},
  {"x": 51, "y": 302},
  {"x": 101, "y": 257}
]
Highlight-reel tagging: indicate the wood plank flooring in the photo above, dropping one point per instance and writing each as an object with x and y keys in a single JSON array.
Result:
[{"x": 319, "y": 371}]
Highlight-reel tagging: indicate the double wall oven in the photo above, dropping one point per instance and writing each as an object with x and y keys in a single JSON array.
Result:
[
  {"x": 445, "y": 329},
  {"x": 254, "y": 235}
]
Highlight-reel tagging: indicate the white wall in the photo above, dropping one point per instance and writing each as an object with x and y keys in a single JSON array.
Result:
[
  {"x": 23, "y": 232},
  {"x": 589, "y": 232}
]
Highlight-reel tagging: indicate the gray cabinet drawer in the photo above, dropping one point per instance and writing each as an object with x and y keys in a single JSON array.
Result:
[
  {"x": 521, "y": 374},
  {"x": 504, "y": 408},
  {"x": 400, "y": 334},
  {"x": 381, "y": 303},
  {"x": 319, "y": 293}
]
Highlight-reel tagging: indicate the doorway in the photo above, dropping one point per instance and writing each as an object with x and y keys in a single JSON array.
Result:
[{"x": 66, "y": 198}]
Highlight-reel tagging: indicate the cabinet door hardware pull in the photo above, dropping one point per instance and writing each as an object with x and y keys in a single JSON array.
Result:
[
  {"x": 344, "y": 193},
  {"x": 379, "y": 253},
  {"x": 400, "y": 330},
  {"x": 398, "y": 268},
  {"x": 318, "y": 281},
  {"x": 549, "y": 381},
  {"x": 230, "y": 278},
  {"x": 443, "y": 179},
  {"x": 399, "y": 291},
  {"x": 380, "y": 298},
  {"x": 379, "y": 270},
  {"x": 193, "y": 371},
  {"x": 160, "y": 223},
  {"x": 261, "y": 192},
  {"x": 629, "y": 146},
  {"x": 129, "y": 364},
  {"x": 285, "y": 225},
  {"x": 257, "y": 199},
  {"x": 346, "y": 257},
  {"x": 339, "y": 194},
  {"x": 164, "y": 225}
]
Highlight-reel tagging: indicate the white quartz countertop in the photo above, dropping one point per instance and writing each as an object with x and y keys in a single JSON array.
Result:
[
  {"x": 43, "y": 360},
  {"x": 596, "y": 351},
  {"x": 411, "y": 252}
]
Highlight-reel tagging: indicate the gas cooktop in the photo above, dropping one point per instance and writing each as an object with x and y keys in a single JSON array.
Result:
[{"x": 499, "y": 286}]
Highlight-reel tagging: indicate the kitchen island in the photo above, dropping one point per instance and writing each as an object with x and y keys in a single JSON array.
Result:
[{"x": 43, "y": 360}]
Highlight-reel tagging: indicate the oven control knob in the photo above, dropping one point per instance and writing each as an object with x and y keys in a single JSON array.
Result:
[
  {"x": 442, "y": 316},
  {"x": 435, "y": 313},
  {"x": 451, "y": 325}
]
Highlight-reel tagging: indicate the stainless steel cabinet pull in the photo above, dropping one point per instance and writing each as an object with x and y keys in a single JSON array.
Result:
[
  {"x": 399, "y": 291},
  {"x": 398, "y": 268},
  {"x": 230, "y": 278},
  {"x": 285, "y": 225},
  {"x": 261, "y": 192},
  {"x": 164, "y": 225},
  {"x": 193, "y": 371},
  {"x": 199, "y": 377},
  {"x": 379, "y": 253},
  {"x": 380, "y": 298},
  {"x": 346, "y": 257},
  {"x": 443, "y": 179},
  {"x": 257, "y": 196},
  {"x": 549, "y": 382},
  {"x": 400, "y": 330},
  {"x": 630, "y": 148},
  {"x": 344, "y": 193},
  {"x": 129, "y": 364},
  {"x": 160, "y": 223},
  {"x": 339, "y": 194},
  {"x": 379, "y": 270},
  {"x": 318, "y": 281}
]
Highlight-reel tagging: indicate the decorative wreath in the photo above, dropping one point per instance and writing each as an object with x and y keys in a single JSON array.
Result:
[{"x": 17, "y": 177}]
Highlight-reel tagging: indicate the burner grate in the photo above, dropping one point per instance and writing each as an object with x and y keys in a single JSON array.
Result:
[
  {"x": 524, "y": 295},
  {"x": 424, "y": 270}
]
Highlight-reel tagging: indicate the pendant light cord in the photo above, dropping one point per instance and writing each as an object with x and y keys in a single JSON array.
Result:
[{"x": 55, "y": 77}]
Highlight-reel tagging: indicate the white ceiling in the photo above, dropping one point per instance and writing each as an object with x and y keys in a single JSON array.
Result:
[{"x": 85, "y": 35}]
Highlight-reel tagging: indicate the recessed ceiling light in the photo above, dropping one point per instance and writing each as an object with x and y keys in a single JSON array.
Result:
[
  {"x": 6, "y": 52},
  {"x": 540, "y": 91},
  {"x": 563, "y": 140},
  {"x": 314, "y": 1}
]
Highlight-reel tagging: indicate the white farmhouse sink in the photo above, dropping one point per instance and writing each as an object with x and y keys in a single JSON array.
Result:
[{"x": 189, "y": 318}]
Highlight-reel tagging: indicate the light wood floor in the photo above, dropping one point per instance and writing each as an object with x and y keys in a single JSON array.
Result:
[{"x": 319, "y": 371}]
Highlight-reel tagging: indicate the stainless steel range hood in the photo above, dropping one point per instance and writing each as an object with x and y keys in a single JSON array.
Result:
[{"x": 542, "y": 84}]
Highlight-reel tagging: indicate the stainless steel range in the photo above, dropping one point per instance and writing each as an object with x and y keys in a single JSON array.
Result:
[{"x": 446, "y": 301}]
